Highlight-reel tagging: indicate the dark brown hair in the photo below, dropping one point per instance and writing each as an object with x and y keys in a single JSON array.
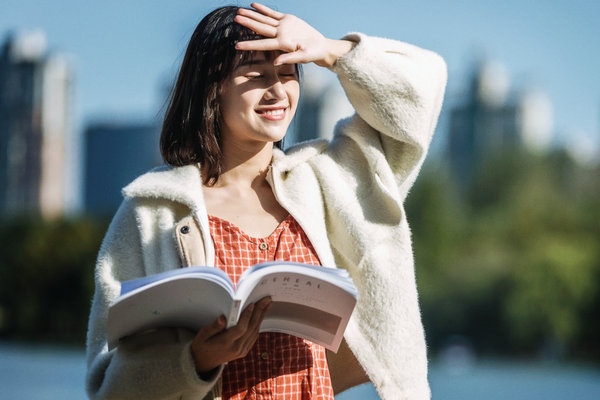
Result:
[{"x": 191, "y": 130}]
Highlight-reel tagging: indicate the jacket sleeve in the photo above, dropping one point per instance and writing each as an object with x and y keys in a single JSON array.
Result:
[
  {"x": 365, "y": 174},
  {"x": 397, "y": 90},
  {"x": 155, "y": 365}
]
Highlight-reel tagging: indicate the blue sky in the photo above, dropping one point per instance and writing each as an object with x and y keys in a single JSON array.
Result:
[{"x": 125, "y": 51}]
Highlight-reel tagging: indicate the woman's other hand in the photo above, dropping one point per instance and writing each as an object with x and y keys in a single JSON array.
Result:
[
  {"x": 298, "y": 41},
  {"x": 215, "y": 345}
]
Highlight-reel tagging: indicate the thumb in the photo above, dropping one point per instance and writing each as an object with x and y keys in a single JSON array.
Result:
[{"x": 296, "y": 57}]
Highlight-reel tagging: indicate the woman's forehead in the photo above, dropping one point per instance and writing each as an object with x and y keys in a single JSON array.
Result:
[{"x": 258, "y": 57}]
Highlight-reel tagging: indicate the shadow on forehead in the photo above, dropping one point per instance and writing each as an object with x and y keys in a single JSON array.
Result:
[
  {"x": 243, "y": 58},
  {"x": 248, "y": 58}
]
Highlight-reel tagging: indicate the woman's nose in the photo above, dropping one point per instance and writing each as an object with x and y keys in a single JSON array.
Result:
[{"x": 275, "y": 91}]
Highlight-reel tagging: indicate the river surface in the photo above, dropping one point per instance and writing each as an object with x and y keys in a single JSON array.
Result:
[{"x": 46, "y": 373}]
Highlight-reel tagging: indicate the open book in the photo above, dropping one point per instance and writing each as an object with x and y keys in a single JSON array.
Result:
[{"x": 314, "y": 303}]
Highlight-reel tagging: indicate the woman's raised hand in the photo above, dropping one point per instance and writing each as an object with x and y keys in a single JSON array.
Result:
[{"x": 298, "y": 41}]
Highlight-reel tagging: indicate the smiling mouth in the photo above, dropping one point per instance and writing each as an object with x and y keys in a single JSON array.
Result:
[{"x": 272, "y": 114}]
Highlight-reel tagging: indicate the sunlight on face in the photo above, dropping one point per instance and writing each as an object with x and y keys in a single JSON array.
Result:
[{"x": 259, "y": 100}]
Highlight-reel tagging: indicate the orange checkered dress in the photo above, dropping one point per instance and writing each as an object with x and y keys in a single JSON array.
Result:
[{"x": 279, "y": 366}]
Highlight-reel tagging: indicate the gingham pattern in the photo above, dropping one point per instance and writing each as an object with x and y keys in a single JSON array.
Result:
[{"x": 279, "y": 366}]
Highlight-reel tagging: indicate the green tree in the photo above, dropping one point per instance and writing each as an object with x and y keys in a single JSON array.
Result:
[
  {"x": 46, "y": 277},
  {"x": 513, "y": 263}
]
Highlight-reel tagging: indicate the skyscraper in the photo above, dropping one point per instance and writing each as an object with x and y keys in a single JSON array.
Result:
[
  {"x": 35, "y": 93},
  {"x": 115, "y": 154},
  {"x": 322, "y": 104},
  {"x": 493, "y": 119}
]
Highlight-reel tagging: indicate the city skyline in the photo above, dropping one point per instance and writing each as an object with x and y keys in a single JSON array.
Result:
[
  {"x": 132, "y": 88},
  {"x": 35, "y": 131},
  {"x": 125, "y": 53}
]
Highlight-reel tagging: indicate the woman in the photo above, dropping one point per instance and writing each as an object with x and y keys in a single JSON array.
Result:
[{"x": 230, "y": 197}]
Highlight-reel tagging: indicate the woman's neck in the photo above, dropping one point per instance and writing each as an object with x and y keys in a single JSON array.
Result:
[
  {"x": 245, "y": 166},
  {"x": 242, "y": 194}
]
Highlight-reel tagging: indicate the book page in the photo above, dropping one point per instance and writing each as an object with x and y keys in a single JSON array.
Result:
[
  {"x": 209, "y": 273},
  {"x": 305, "y": 303},
  {"x": 183, "y": 302}
]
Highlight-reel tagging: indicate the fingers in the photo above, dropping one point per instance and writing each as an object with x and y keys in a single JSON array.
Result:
[
  {"x": 239, "y": 339},
  {"x": 290, "y": 58},
  {"x": 252, "y": 317},
  {"x": 213, "y": 329},
  {"x": 257, "y": 26},
  {"x": 258, "y": 16},
  {"x": 267, "y": 11},
  {"x": 263, "y": 23},
  {"x": 253, "y": 328},
  {"x": 266, "y": 22},
  {"x": 206, "y": 357},
  {"x": 213, "y": 345},
  {"x": 241, "y": 328},
  {"x": 259, "y": 45},
  {"x": 262, "y": 306},
  {"x": 299, "y": 41}
]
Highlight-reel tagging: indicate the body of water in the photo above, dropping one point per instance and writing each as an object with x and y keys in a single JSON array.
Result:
[{"x": 47, "y": 373}]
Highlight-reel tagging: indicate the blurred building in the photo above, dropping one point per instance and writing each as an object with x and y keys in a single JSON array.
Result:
[
  {"x": 35, "y": 101},
  {"x": 322, "y": 104},
  {"x": 115, "y": 154},
  {"x": 494, "y": 118}
]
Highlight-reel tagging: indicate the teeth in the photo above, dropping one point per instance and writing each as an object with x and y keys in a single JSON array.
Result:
[{"x": 274, "y": 112}]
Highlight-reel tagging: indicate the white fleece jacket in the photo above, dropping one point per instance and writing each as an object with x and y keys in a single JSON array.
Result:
[{"x": 348, "y": 197}]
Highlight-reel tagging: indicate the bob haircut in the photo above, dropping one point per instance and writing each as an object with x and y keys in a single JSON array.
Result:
[{"x": 191, "y": 131}]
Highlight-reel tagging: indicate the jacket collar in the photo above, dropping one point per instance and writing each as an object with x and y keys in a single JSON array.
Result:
[
  {"x": 297, "y": 154},
  {"x": 178, "y": 184},
  {"x": 184, "y": 184}
]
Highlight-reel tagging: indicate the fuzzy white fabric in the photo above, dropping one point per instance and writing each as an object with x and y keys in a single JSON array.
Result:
[{"x": 348, "y": 197}]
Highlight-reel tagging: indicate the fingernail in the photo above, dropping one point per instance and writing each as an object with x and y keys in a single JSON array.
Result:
[{"x": 222, "y": 320}]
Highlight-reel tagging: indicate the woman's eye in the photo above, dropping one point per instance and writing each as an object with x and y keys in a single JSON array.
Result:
[{"x": 254, "y": 76}]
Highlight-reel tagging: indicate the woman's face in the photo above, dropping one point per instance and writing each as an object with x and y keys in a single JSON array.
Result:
[{"x": 259, "y": 100}]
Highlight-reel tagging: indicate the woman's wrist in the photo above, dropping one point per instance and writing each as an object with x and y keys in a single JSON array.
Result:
[
  {"x": 204, "y": 372},
  {"x": 335, "y": 50}
]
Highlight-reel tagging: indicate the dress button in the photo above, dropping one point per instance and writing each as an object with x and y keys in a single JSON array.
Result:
[
  {"x": 263, "y": 246},
  {"x": 185, "y": 229},
  {"x": 264, "y": 355}
]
